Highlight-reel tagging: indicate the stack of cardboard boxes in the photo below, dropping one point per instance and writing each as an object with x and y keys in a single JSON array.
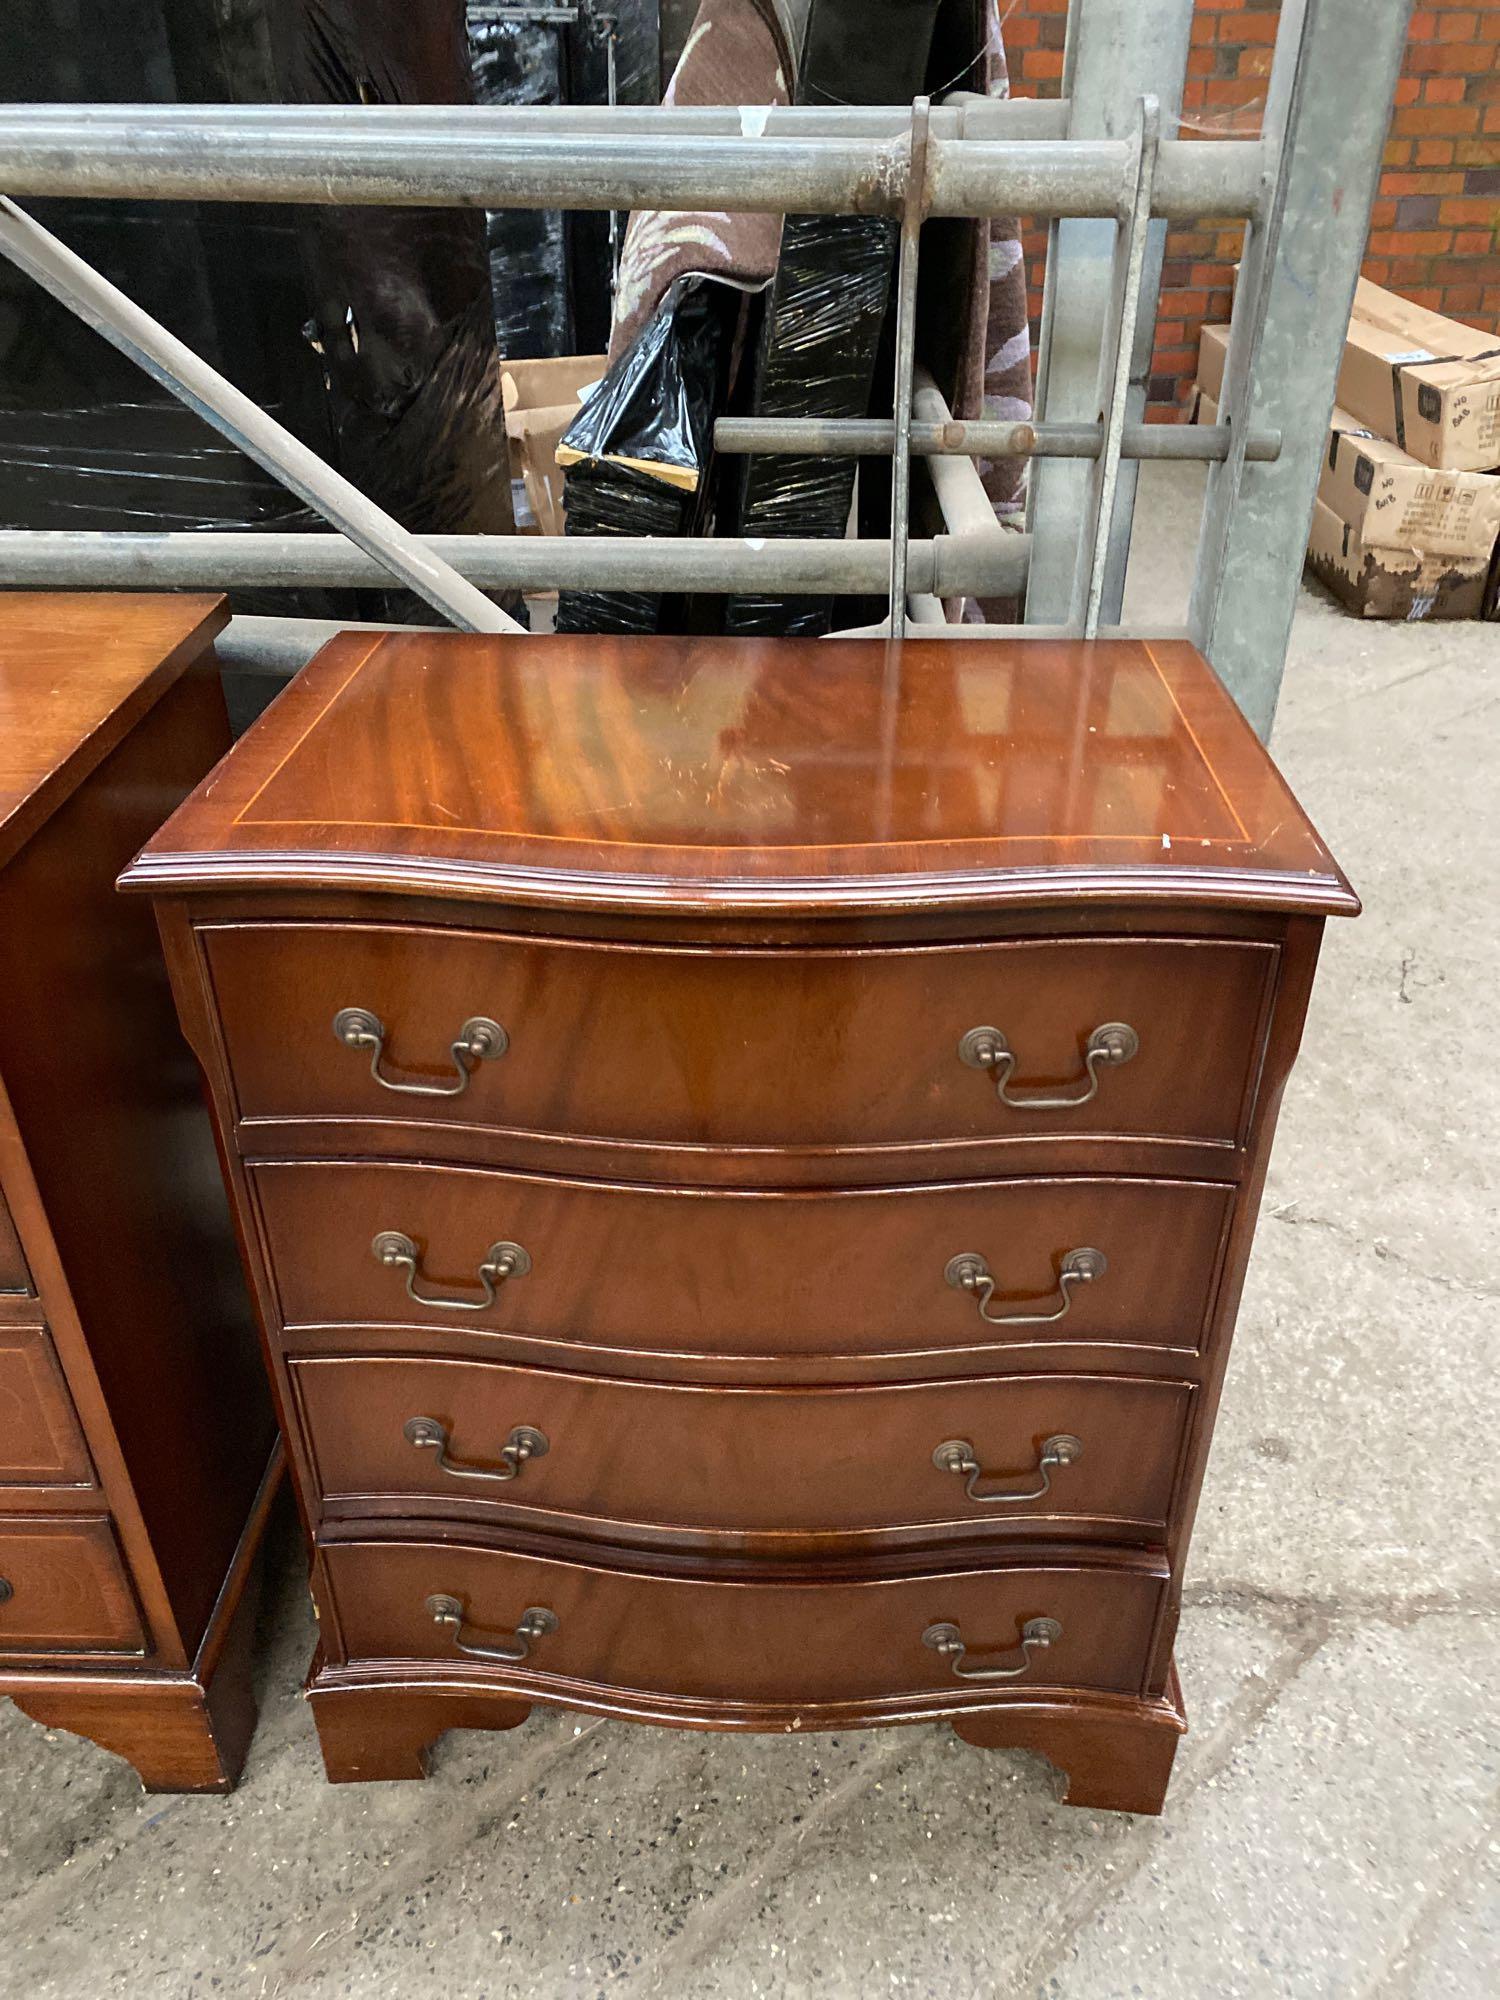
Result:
[{"x": 1407, "y": 518}]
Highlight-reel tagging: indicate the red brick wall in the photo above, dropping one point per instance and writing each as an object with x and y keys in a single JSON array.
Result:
[{"x": 1435, "y": 228}]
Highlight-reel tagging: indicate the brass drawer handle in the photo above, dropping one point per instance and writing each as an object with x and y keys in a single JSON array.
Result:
[
  {"x": 479, "y": 1040},
  {"x": 957, "y": 1455},
  {"x": 7, "y": 1590},
  {"x": 1107, "y": 1048},
  {"x": 968, "y": 1272},
  {"x": 524, "y": 1442},
  {"x": 535, "y": 1624},
  {"x": 1037, "y": 1634},
  {"x": 502, "y": 1261}
]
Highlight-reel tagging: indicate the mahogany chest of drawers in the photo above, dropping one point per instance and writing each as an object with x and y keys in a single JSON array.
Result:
[
  {"x": 747, "y": 1153},
  {"x": 137, "y": 1441}
]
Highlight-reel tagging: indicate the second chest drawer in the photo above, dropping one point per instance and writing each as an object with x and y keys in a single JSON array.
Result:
[
  {"x": 994, "y": 1451},
  {"x": 705, "y": 1272}
]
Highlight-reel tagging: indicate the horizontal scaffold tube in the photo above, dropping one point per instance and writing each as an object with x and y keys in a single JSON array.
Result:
[
  {"x": 656, "y": 157},
  {"x": 987, "y": 565},
  {"x": 980, "y": 437}
]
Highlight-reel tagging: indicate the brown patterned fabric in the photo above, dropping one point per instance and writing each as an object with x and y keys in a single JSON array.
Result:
[
  {"x": 740, "y": 52},
  {"x": 737, "y": 53}
]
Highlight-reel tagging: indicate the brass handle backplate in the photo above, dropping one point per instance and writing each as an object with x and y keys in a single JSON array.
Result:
[
  {"x": 478, "y": 1040},
  {"x": 1107, "y": 1047},
  {"x": 535, "y": 1623},
  {"x": 968, "y": 1272},
  {"x": 524, "y": 1442},
  {"x": 501, "y": 1261},
  {"x": 959, "y": 1456},
  {"x": 1037, "y": 1634}
]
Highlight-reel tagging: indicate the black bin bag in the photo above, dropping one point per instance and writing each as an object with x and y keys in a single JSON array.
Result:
[{"x": 637, "y": 453}]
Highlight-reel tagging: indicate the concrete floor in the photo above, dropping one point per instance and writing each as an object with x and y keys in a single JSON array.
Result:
[{"x": 1331, "y": 1829}]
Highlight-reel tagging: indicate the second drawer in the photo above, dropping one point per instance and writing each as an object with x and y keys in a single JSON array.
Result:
[
  {"x": 1080, "y": 1450},
  {"x": 704, "y": 1272}
]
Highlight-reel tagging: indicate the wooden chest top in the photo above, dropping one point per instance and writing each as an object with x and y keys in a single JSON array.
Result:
[
  {"x": 76, "y": 674},
  {"x": 772, "y": 776}
]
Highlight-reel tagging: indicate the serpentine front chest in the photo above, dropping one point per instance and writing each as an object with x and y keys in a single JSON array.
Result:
[{"x": 747, "y": 1153}]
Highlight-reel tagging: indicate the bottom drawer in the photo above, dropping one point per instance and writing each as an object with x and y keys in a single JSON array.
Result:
[
  {"x": 63, "y": 1588},
  {"x": 720, "y": 1639}
]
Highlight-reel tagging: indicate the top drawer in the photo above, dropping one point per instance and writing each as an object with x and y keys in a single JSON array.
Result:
[{"x": 743, "y": 1049}]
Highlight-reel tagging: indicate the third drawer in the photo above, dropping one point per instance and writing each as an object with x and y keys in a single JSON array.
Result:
[{"x": 1088, "y": 1453}]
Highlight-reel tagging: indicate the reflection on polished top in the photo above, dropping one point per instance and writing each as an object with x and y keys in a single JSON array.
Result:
[
  {"x": 76, "y": 673},
  {"x": 754, "y": 774}
]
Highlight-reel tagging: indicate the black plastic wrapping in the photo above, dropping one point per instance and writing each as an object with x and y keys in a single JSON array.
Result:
[
  {"x": 401, "y": 311},
  {"x": 367, "y": 332},
  {"x": 654, "y": 407},
  {"x": 821, "y": 338},
  {"x": 818, "y": 353},
  {"x": 614, "y": 500},
  {"x": 638, "y": 80},
  {"x": 550, "y": 270},
  {"x": 518, "y": 62},
  {"x": 87, "y": 441}
]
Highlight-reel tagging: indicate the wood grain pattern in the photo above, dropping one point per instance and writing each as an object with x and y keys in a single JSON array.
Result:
[
  {"x": 693, "y": 1048},
  {"x": 133, "y": 1201},
  {"x": 777, "y": 1645},
  {"x": 373, "y": 1730},
  {"x": 68, "y": 1591},
  {"x": 177, "y": 1735},
  {"x": 180, "y": 1732},
  {"x": 763, "y": 1467},
  {"x": 704, "y": 1272},
  {"x": 76, "y": 674},
  {"x": 129, "y": 1480},
  {"x": 41, "y": 1443},
  {"x": 1113, "y": 1756},
  {"x": 1113, "y": 1753},
  {"x": 754, "y": 774},
  {"x": 734, "y": 905}
]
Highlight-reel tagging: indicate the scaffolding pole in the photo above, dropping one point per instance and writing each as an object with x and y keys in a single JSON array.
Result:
[
  {"x": 992, "y": 564},
  {"x": 534, "y": 157}
]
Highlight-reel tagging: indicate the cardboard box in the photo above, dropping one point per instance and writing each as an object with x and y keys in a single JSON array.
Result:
[
  {"x": 541, "y": 400},
  {"x": 1213, "y": 352},
  {"x": 1449, "y": 408},
  {"x": 1428, "y": 384},
  {"x": 1396, "y": 503},
  {"x": 1391, "y": 537},
  {"x": 1380, "y": 582}
]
